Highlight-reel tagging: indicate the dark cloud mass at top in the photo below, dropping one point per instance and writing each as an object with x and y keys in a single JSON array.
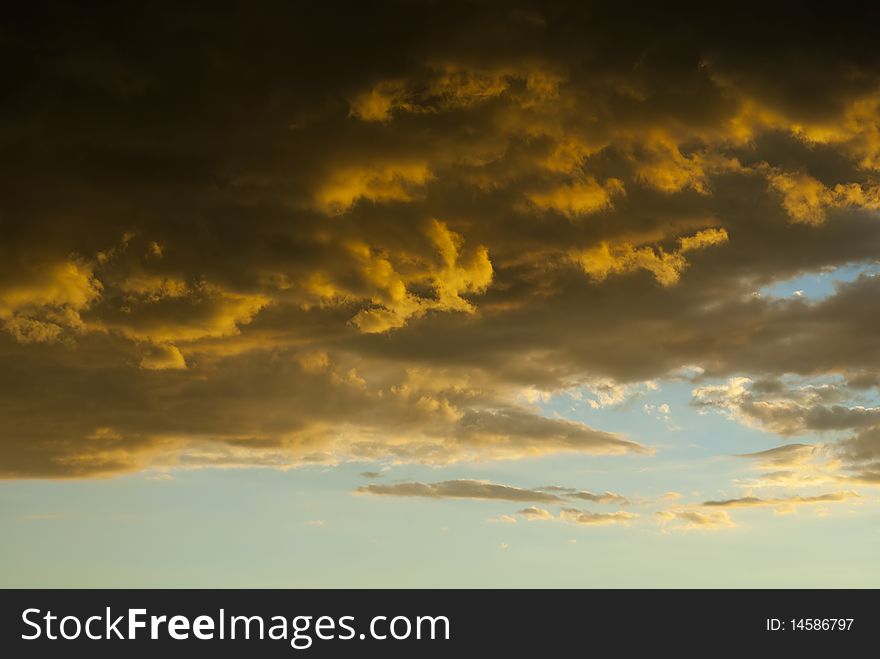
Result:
[{"x": 286, "y": 233}]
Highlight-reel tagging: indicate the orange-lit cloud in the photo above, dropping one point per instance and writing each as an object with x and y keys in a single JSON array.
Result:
[{"x": 400, "y": 253}]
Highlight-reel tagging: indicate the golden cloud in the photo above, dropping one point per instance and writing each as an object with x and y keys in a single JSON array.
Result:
[
  {"x": 689, "y": 520},
  {"x": 283, "y": 295},
  {"x": 43, "y": 301},
  {"x": 578, "y": 198},
  {"x": 605, "y": 260},
  {"x": 398, "y": 182}
]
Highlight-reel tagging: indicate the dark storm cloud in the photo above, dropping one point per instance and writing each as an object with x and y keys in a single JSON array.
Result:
[
  {"x": 97, "y": 412},
  {"x": 296, "y": 233}
]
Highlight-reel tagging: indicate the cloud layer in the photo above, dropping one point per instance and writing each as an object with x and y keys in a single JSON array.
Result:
[{"x": 366, "y": 241}]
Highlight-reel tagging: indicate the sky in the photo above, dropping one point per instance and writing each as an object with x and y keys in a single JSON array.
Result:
[{"x": 460, "y": 294}]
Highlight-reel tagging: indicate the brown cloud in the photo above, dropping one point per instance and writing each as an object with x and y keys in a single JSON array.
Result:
[
  {"x": 790, "y": 501},
  {"x": 471, "y": 489},
  {"x": 797, "y": 409},
  {"x": 586, "y": 517},
  {"x": 712, "y": 515},
  {"x": 460, "y": 489},
  {"x": 534, "y": 513},
  {"x": 787, "y": 410},
  {"x": 687, "y": 520},
  {"x": 575, "y": 516},
  {"x": 159, "y": 357},
  {"x": 261, "y": 409},
  {"x": 257, "y": 269},
  {"x": 572, "y": 493}
]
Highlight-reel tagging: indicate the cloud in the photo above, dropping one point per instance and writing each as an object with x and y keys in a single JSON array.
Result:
[
  {"x": 160, "y": 357},
  {"x": 689, "y": 520},
  {"x": 207, "y": 312},
  {"x": 484, "y": 490},
  {"x": 460, "y": 489},
  {"x": 578, "y": 198},
  {"x": 378, "y": 102},
  {"x": 784, "y": 502},
  {"x": 786, "y": 410},
  {"x": 586, "y": 517},
  {"x": 381, "y": 184},
  {"x": 861, "y": 454},
  {"x": 575, "y": 516},
  {"x": 162, "y": 476},
  {"x": 448, "y": 86},
  {"x": 504, "y": 519},
  {"x": 455, "y": 275},
  {"x": 534, "y": 434},
  {"x": 713, "y": 515},
  {"x": 666, "y": 267},
  {"x": 41, "y": 302},
  {"x": 499, "y": 203},
  {"x": 31, "y": 330},
  {"x": 68, "y": 284},
  {"x": 788, "y": 455},
  {"x": 534, "y": 513},
  {"x": 807, "y": 200},
  {"x": 797, "y": 465},
  {"x": 864, "y": 445},
  {"x": 276, "y": 410},
  {"x": 572, "y": 493}
]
